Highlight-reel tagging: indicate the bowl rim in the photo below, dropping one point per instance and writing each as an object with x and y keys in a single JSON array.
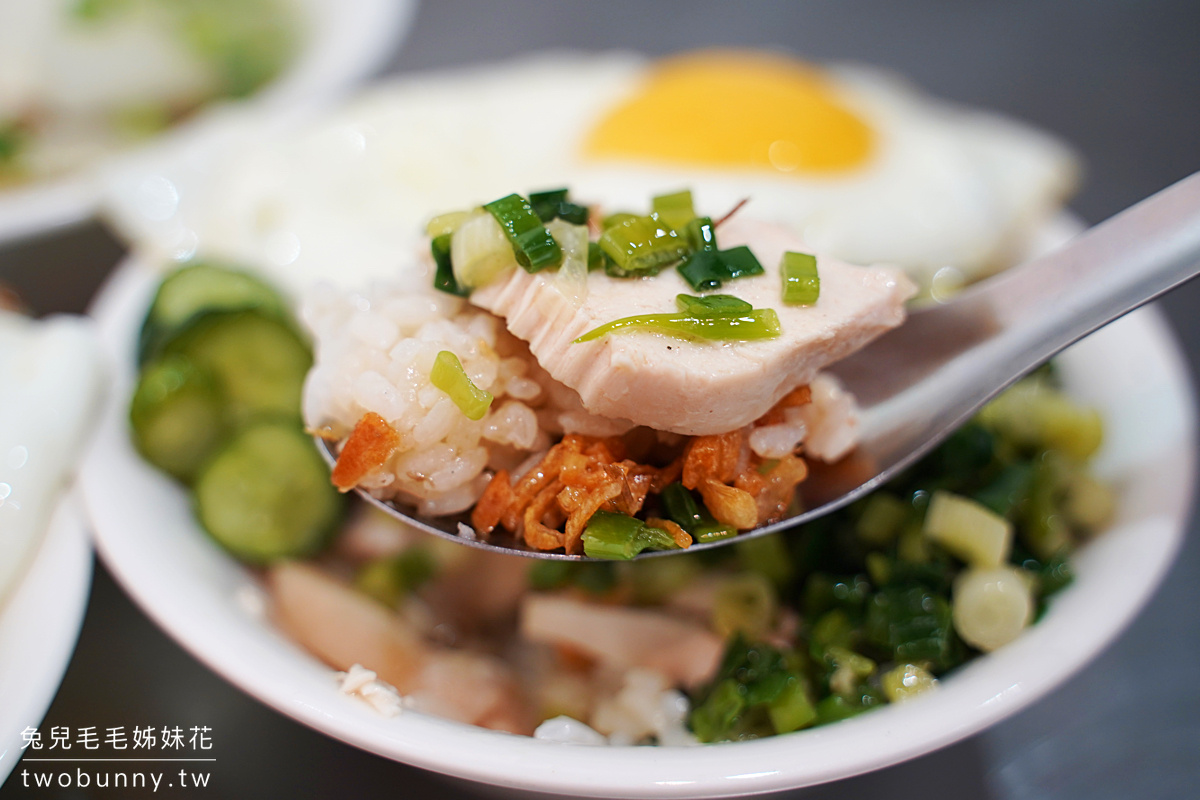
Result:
[
  {"x": 354, "y": 40},
  {"x": 40, "y": 624},
  {"x": 246, "y": 651}
]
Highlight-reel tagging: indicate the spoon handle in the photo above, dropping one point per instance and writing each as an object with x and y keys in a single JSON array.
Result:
[
  {"x": 1105, "y": 272},
  {"x": 932, "y": 373}
]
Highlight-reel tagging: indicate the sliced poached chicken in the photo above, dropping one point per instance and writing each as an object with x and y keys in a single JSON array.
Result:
[{"x": 697, "y": 387}]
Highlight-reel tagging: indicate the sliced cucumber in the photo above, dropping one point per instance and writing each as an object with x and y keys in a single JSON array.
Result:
[
  {"x": 218, "y": 403},
  {"x": 258, "y": 361},
  {"x": 200, "y": 289},
  {"x": 177, "y": 416},
  {"x": 266, "y": 495}
]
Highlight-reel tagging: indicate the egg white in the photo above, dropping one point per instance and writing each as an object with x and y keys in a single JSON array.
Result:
[{"x": 346, "y": 199}]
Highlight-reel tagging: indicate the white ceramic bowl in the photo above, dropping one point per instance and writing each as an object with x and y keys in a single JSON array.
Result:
[
  {"x": 50, "y": 390},
  {"x": 349, "y": 40},
  {"x": 39, "y": 624},
  {"x": 1132, "y": 371}
]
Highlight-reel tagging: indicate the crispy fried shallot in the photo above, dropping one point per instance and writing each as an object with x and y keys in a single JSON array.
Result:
[
  {"x": 576, "y": 478},
  {"x": 370, "y": 445},
  {"x": 582, "y": 475}
]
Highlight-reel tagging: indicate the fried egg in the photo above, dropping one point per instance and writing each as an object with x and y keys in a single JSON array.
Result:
[{"x": 856, "y": 161}]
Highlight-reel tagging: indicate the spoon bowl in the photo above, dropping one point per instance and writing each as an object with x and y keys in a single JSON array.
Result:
[{"x": 920, "y": 382}]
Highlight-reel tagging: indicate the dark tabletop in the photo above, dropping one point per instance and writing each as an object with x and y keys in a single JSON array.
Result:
[{"x": 1120, "y": 80}]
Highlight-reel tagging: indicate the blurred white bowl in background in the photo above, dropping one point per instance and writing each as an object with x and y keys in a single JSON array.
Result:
[
  {"x": 347, "y": 41},
  {"x": 39, "y": 624}
]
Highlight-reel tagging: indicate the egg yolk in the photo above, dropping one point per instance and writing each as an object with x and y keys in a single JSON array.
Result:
[{"x": 730, "y": 109}]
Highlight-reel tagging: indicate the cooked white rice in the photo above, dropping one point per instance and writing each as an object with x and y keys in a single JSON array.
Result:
[{"x": 375, "y": 350}]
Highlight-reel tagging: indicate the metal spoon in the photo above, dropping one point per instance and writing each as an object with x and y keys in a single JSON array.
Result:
[{"x": 920, "y": 382}]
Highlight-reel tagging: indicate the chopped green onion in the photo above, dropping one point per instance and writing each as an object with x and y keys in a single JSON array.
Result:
[
  {"x": 768, "y": 556},
  {"x": 572, "y": 213},
  {"x": 744, "y": 603},
  {"x": 443, "y": 278},
  {"x": 613, "y": 271},
  {"x": 1045, "y": 530},
  {"x": 390, "y": 579},
  {"x": 532, "y": 244},
  {"x": 823, "y": 591},
  {"x": 792, "y": 710},
  {"x": 991, "y": 606},
  {"x": 701, "y": 234},
  {"x": 712, "y": 304},
  {"x": 449, "y": 376},
  {"x": 712, "y": 719},
  {"x": 801, "y": 283},
  {"x": 836, "y": 708},
  {"x": 1089, "y": 504},
  {"x": 617, "y": 536},
  {"x": 706, "y": 270},
  {"x": 1007, "y": 490},
  {"x": 445, "y": 223},
  {"x": 974, "y": 533},
  {"x": 740, "y": 262},
  {"x": 857, "y": 664},
  {"x": 480, "y": 251},
  {"x": 905, "y": 681},
  {"x": 912, "y": 547},
  {"x": 881, "y": 518},
  {"x": 703, "y": 270},
  {"x": 880, "y": 568},
  {"x": 850, "y": 669},
  {"x": 832, "y": 629},
  {"x": 761, "y": 323},
  {"x": 596, "y": 257},
  {"x": 912, "y": 624},
  {"x": 642, "y": 245},
  {"x": 554, "y": 204},
  {"x": 682, "y": 509},
  {"x": 885, "y": 570},
  {"x": 615, "y": 219},
  {"x": 1053, "y": 575},
  {"x": 1035, "y": 415},
  {"x": 752, "y": 678},
  {"x": 674, "y": 209},
  {"x": 571, "y": 279},
  {"x": 544, "y": 204},
  {"x": 656, "y": 580}
]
